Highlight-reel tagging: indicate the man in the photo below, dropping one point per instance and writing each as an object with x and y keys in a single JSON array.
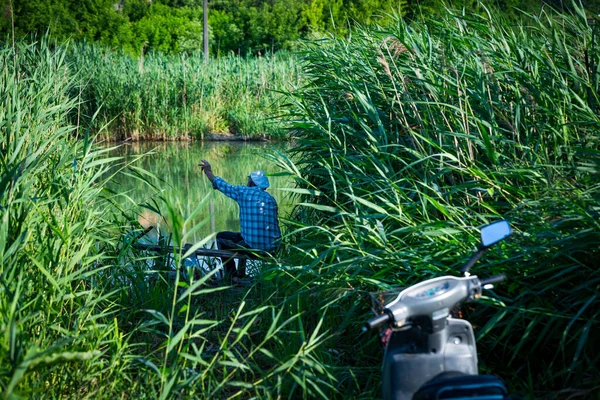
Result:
[{"x": 258, "y": 218}]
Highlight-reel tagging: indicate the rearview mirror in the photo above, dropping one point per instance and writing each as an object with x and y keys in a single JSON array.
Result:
[{"x": 493, "y": 233}]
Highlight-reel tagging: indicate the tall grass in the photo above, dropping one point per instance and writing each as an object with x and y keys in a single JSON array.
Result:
[
  {"x": 57, "y": 330},
  {"x": 82, "y": 313},
  {"x": 411, "y": 136},
  {"x": 180, "y": 97},
  {"x": 408, "y": 138}
]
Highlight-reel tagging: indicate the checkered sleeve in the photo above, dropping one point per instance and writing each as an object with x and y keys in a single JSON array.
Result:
[{"x": 227, "y": 189}]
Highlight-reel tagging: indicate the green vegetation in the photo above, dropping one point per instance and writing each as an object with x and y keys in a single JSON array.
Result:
[
  {"x": 411, "y": 135},
  {"x": 144, "y": 71},
  {"x": 179, "y": 97},
  {"x": 408, "y": 137},
  {"x": 175, "y": 26},
  {"x": 59, "y": 333},
  {"x": 235, "y": 26},
  {"x": 84, "y": 315}
]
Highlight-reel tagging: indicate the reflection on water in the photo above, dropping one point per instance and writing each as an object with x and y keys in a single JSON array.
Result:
[{"x": 183, "y": 185}]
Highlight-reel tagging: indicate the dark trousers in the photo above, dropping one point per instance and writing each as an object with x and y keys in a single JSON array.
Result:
[{"x": 232, "y": 241}]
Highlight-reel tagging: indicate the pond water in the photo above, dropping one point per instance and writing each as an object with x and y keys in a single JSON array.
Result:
[{"x": 184, "y": 188}]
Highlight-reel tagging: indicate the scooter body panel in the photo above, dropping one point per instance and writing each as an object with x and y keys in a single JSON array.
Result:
[{"x": 413, "y": 357}]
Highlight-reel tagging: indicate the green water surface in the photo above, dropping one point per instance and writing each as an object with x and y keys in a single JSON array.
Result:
[{"x": 183, "y": 186}]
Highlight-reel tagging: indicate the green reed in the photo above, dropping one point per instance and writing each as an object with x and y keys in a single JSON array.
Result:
[
  {"x": 56, "y": 326},
  {"x": 411, "y": 136},
  {"x": 408, "y": 138},
  {"x": 178, "y": 97},
  {"x": 84, "y": 314}
]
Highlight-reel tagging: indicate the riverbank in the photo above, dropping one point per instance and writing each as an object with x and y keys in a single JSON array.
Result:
[
  {"x": 209, "y": 137},
  {"x": 167, "y": 97}
]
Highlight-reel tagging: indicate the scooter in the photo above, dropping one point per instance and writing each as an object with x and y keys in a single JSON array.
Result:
[{"x": 429, "y": 354}]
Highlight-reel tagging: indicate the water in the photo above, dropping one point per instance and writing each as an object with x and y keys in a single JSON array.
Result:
[{"x": 182, "y": 186}]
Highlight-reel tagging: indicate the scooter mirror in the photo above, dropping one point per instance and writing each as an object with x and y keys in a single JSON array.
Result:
[{"x": 493, "y": 233}]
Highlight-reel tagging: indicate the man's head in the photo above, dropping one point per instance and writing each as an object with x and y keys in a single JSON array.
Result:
[{"x": 259, "y": 179}]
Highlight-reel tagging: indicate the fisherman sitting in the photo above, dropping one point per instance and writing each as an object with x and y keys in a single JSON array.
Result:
[{"x": 258, "y": 219}]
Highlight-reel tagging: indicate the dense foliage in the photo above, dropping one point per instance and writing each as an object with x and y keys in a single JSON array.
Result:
[
  {"x": 238, "y": 26},
  {"x": 413, "y": 135},
  {"x": 167, "y": 97},
  {"x": 84, "y": 315},
  {"x": 408, "y": 138},
  {"x": 56, "y": 236}
]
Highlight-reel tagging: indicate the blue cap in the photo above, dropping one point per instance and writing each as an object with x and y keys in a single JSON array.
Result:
[{"x": 260, "y": 179}]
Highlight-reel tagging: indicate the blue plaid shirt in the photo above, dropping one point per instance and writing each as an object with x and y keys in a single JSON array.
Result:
[{"x": 258, "y": 214}]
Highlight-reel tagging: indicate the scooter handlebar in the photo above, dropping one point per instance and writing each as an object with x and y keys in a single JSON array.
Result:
[
  {"x": 376, "y": 321},
  {"x": 493, "y": 279},
  {"x": 429, "y": 297}
]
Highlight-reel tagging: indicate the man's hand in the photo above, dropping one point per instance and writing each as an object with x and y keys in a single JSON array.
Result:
[
  {"x": 205, "y": 165},
  {"x": 207, "y": 169}
]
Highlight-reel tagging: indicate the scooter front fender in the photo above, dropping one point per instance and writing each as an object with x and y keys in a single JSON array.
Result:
[{"x": 413, "y": 357}]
